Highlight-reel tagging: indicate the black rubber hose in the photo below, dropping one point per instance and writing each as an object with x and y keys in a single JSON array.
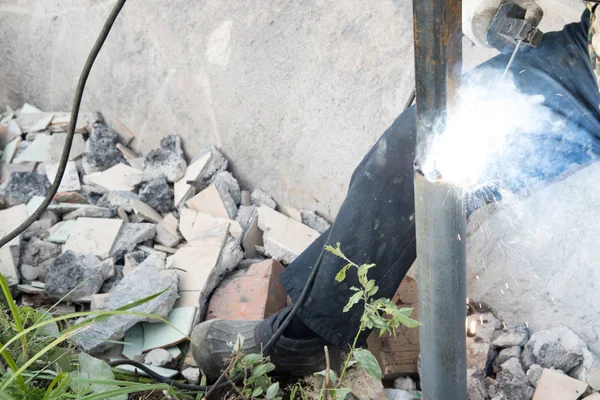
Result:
[{"x": 71, "y": 131}]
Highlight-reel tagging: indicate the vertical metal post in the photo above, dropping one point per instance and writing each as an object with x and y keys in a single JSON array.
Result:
[{"x": 440, "y": 220}]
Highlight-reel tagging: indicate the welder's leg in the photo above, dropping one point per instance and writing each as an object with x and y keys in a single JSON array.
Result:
[{"x": 375, "y": 223}]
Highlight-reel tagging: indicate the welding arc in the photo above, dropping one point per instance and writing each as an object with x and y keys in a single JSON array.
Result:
[{"x": 71, "y": 131}]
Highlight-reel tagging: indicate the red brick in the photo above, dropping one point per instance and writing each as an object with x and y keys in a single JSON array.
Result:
[
  {"x": 254, "y": 294},
  {"x": 398, "y": 355}
]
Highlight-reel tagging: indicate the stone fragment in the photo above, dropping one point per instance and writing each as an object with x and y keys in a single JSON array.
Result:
[
  {"x": 101, "y": 152},
  {"x": 203, "y": 223},
  {"x": 480, "y": 355},
  {"x": 165, "y": 249},
  {"x": 511, "y": 387},
  {"x": 172, "y": 143},
  {"x": 60, "y": 122},
  {"x": 476, "y": 385},
  {"x": 283, "y": 237},
  {"x": 555, "y": 386},
  {"x": 91, "y": 368},
  {"x": 514, "y": 367},
  {"x": 515, "y": 335},
  {"x": 504, "y": 355},
  {"x": 216, "y": 164},
  {"x": 98, "y": 301},
  {"x": 558, "y": 348},
  {"x": 166, "y": 231},
  {"x": 254, "y": 294},
  {"x": 405, "y": 383},
  {"x": 245, "y": 215},
  {"x": 144, "y": 212},
  {"x": 163, "y": 335},
  {"x": 37, "y": 251},
  {"x": 28, "y": 272},
  {"x": 487, "y": 325},
  {"x": 527, "y": 358},
  {"x": 363, "y": 385},
  {"x": 163, "y": 162},
  {"x": 580, "y": 371},
  {"x": 89, "y": 211},
  {"x": 225, "y": 182},
  {"x": 182, "y": 190},
  {"x": 10, "y": 150},
  {"x": 211, "y": 202},
  {"x": 261, "y": 198},
  {"x": 192, "y": 375},
  {"x": 128, "y": 154},
  {"x": 113, "y": 178},
  {"x": 30, "y": 109},
  {"x": 148, "y": 278},
  {"x": 21, "y": 186},
  {"x": 253, "y": 237},
  {"x": 157, "y": 195},
  {"x": 33, "y": 204},
  {"x": 75, "y": 276},
  {"x": 158, "y": 357},
  {"x": 245, "y": 199},
  {"x": 130, "y": 236},
  {"x": 70, "y": 197},
  {"x": 534, "y": 373},
  {"x": 48, "y": 149},
  {"x": 93, "y": 236},
  {"x": 399, "y": 354},
  {"x": 42, "y": 123},
  {"x": 70, "y": 180},
  {"x": 7, "y": 169},
  {"x": 39, "y": 229},
  {"x": 137, "y": 163},
  {"x": 118, "y": 198},
  {"x": 312, "y": 220},
  {"x": 398, "y": 394},
  {"x": 61, "y": 231}
]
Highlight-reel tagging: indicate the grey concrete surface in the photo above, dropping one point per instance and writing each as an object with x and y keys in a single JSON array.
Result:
[
  {"x": 535, "y": 259},
  {"x": 293, "y": 92}
]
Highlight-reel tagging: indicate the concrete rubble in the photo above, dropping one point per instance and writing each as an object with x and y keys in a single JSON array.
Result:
[{"x": 124, "y": 226}]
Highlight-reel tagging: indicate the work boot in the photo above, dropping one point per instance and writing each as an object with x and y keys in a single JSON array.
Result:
[{"x": 291, "y": 356}]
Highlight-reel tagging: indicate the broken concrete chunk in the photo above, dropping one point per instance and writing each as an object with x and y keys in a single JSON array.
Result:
[
  {"x": 511, "y": 387},
  {"x": 62, "y": 232},
  {"x": 48, "y": 148},
  {"x": 194, "y": 265},
  {"x": 157, "y": 195},
  {"x": 216, "y": 164},
  {"x": 37, "y": 251},
  {"x": 102, "y": 152},
  {"x": 166, "y": 231},
  {"x": 39, "y": 229},
  {"x": 158, "y": 357},
  {"x": 192, "y": 375},
  {"x": 75, "y": 276},
  {"x": 42, "y": 123},
  {"x": 558, "y": 348},
  {"x": 516, "y": 335},
  {"x": 93, "y": 236},
  {"x": 245, "y": 198},
  {"x": 137, "y": 163},
  {"x": 505, "y": 355},
  {"x": 253, "y": 237},
  {"x": 60, "y": 122},
  {"x": 312, "y": 220},
  {"x": 118, "y": 199},
  {"x": 113, "y": 178},
  {"x": 514, "y": 367},
  {"x": 7, "y": 169},
  {"x": 534, "y": 373},
  {"x": 261, "y": 198},
  {"x": 145, "y": 212},
  {"x": 148, "y": 278},
  {"x": 182, "y": 190},
  {"x": 70, "y": 179},
  {"x": 33, "y": 204},
  {"x": 245, "y": 216},
  {"x": 294, "y": 213},
  {"x": 476, "y": 385},
  {"x": 22, "y": 186},
  {"x": 254, "y": 294},
  {"x": 555, "y": 386},
  {"x": 480, "y": 355},
  {"x": 284, "y": 238},
  {"x": 172, "y": 143},
  {"x": 225, "y": 182},
  {"x": 161, "y": 335},
  {"x": 10, "y": 150},
  {"x": 202, "y": 223},
  {"x": 163, "y": 162},
  {"x": 128, "y": 154},
  {"x": 134, "y": 341},
  {"x": 98, "y": 300},
  {"x": 130, "y": 236},
  {"x": 210, "y": 201},
  {"x": 29, "y": 272},
  {"x": 89, "y": 211}
]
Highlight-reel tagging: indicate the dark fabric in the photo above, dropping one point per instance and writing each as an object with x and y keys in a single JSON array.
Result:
[{"x": 376, "y": 221}]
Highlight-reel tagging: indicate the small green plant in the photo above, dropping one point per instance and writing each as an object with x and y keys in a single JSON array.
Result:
[
  {"x": 381, "y": 314},
  {"x": 37, "y": 363},
  {"x": 254, "y": 369}
]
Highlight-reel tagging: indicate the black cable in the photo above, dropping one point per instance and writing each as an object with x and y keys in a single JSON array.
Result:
[{"x": 71, "y": 131}]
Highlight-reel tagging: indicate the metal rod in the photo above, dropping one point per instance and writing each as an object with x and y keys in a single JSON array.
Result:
[{"x": 440, "y": 221}]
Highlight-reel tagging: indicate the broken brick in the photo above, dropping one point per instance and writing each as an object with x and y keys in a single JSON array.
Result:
[
  {"x": 399, "y": 355},
  {"x": 254, "y": 294}
]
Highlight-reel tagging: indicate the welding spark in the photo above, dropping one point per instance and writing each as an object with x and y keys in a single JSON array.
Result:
[{"x": 513, "y": 278}]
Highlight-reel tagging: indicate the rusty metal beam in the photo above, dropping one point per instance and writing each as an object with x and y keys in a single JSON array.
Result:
[{"x": 440, "y": 220}]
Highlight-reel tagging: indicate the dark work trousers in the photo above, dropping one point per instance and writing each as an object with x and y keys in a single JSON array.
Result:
[{"x": 376, "y": 221}]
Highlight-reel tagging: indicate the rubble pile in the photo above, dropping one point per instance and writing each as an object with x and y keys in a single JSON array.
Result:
[
  {"x": 506, "y": 363},
  {"x": 123, "y": 227}
]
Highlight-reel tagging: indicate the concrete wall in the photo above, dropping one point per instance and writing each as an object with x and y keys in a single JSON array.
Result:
[{"x": 294, "y": 92}]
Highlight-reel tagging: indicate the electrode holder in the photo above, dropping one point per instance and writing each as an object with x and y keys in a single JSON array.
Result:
[{"x": 509, "y": 27}]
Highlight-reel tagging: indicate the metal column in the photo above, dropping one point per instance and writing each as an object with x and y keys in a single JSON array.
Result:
[{"x": 440, "y": 221}]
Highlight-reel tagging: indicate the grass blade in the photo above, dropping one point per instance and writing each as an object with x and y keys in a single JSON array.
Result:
[{"x": 15, "y": 313}]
